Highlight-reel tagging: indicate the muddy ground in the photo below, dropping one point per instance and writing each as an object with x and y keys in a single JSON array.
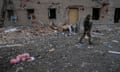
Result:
[{"x": 56, "y": 52}]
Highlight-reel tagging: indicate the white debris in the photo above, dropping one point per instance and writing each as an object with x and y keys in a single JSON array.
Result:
[
  {"x": 11, "y": 30},
  {"x": 115, "y": 41},
  {"x": 31, "y": 59},
  {"x": 11, "y": 45},
  {"x": 51, "y": 50},
  {"x": 86, "y": 37},
  {"x": 114, "y": 52}
]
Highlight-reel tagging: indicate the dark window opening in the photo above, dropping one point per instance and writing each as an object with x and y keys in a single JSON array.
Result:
[
  {"x": 52, "y": 13},
  {"x": 96, "y": 13},
  {"x": 9, "y": 14},
  {"x": 30, "y": 12},
  {"x": 117, "y": 15},
  {"x": 10, "y": 2}
]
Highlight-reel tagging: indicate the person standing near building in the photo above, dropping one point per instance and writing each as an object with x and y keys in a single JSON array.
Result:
[{"x": 87, "y": 29}]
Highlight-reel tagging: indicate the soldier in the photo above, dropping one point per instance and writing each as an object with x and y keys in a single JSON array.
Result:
[{"x": 87, "y": 29}]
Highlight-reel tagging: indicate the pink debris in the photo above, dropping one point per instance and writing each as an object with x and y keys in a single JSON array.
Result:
[
  {"x": 20, "y": 57},
  {"x": 14, "y": 61},
  {"x": 23, "y": 59}
]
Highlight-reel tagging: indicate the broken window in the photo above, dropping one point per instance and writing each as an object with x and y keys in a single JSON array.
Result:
[
  {"x": 52, "y": 13},
  {"x": 31, "y": 16},
  {"x": 10, "y": 13},
  {"x": 30, "y": 12},
  {"x": 117, "y": 15},
  {"x": 96, "y": 13}
]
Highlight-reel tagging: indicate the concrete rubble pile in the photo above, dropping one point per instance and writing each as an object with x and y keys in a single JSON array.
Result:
[{"x": 11, "y": 34}]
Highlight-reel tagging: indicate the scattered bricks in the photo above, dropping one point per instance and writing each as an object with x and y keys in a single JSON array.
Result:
[{"x": 23, "y": 32}]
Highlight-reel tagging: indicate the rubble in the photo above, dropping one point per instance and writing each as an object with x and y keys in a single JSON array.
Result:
[
  {"x": 115, "y": 41},
  {"x": 11, "y": 30},
  {"x": 114, "y": 52},
  {"x": 12, "y": 34},
  {"x": 55, "y": 52}
]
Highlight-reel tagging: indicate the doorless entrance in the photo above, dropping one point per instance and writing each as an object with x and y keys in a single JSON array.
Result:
[{"x": 117, "y": 15}]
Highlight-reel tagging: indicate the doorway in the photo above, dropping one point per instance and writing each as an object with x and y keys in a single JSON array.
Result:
[
  {"x": 96, "y": 14},
  {"x": 52, "y": 13},
  {"x": 9, "y": 14},
  {"x": 73, "y": 15},
  {"x": 29, "y": 13},
  {"x": 117, "y": 15}
]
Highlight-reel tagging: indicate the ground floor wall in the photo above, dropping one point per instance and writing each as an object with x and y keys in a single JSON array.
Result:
[{"x": 62, "y": 14}]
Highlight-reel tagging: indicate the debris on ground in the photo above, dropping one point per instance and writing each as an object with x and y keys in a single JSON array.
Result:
[
  {"x": 57, "y": 53},
  {"x": 107, "y": 44},
  {"x": 11, "y": 30},
  {"x": 115, "y": 41},
  {"x": 114, "y": 52},
  {"x": 22, "y": 57},
  {"x": 31, "y": 59},
  {"x": 51, "y": 50},
  {"x": 11, "y": 45}
]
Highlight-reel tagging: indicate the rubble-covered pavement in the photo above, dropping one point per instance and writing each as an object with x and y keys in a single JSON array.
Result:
[{"x": 55, "y": 52}]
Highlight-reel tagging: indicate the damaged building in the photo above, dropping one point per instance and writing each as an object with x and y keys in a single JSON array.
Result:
[{"x": 59, "y": 11}]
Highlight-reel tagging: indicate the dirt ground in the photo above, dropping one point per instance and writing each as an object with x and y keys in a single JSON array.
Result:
[{"x": 56, "y": 52}]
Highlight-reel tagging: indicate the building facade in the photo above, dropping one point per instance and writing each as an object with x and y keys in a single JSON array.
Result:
[{"x": 62, "y": 11}]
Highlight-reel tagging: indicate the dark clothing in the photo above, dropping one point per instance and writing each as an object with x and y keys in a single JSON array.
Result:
[
  {"x": 87, "y": 29},
  {"x": 87, "y": 26},
  {"x": 84, "y": 34}
]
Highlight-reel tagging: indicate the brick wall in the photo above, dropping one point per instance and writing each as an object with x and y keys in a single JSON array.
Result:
[{"x": 41, "y": 10}]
